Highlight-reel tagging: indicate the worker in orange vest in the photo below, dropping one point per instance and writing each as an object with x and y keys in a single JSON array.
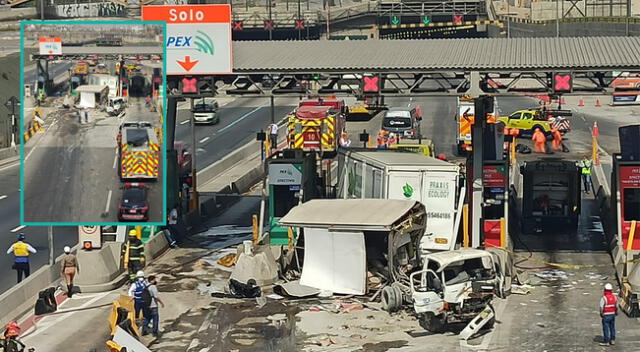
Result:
[
  {"x": 539, "y": 141},
  {"x": 382, "y": 139},
  {"x": 557, "y": 140}
]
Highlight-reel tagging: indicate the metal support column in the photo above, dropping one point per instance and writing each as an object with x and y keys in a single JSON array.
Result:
[
  {"x": 480, "y": 116},
  {"x": 50, "y": 239},
  {"x": 273, "y": 110},
  {"x": 194, "y": 183}
]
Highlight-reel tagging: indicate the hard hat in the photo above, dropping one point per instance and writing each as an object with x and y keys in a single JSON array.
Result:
[
  {"x": 140, "y": 273},
  {"x": 67, "y": 249},
  {"x": 608, "y": 287},
  {"x": 21, "y": 236},
  {"x": 133, "y": 233},
  {"x": 12, "y": 329}
]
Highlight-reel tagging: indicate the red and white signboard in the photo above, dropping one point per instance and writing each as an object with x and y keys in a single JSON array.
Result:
[
  {"x": 50, "y": 46},
  {"x": 198, "y": 38}
]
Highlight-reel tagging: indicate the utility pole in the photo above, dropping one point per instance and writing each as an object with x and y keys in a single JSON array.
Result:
[
  {"x": 557, "y": 20},
  {"x": 42, "y": 9},
  {"x": 482, "y": 105},
  {"x": 194, "y": 183},
  {"x": 273, "y": 110},
  {"x": 50, "y": 238}
]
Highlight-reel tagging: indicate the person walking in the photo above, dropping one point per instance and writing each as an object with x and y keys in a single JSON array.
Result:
[
  {"x": 135, "y": 290},
  {"x": 151, "y": 314},
  {"x": 172, "y": 226},
  {"x": 70, "y": 268},
  {"x": 273, "y": 135},
  {"x": 86, "y": 116},
  {"x": 79, "y": 116},
  {"x": 21, "y": 251},
  {"x": 136, "y": 254},
  {"x": 585, "y": 171},
  {"x": 608, "y": 312},
  {"x": 557, "y": 140},
  {"x": 539, "y": 141}
]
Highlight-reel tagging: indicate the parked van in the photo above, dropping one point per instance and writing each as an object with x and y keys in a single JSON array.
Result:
[{"x": 402, "y": 121}]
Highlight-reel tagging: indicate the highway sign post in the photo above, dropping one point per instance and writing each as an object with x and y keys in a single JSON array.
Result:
[
  {"x": 12, "y": 104},
  {"x": 198, "y": 38}
]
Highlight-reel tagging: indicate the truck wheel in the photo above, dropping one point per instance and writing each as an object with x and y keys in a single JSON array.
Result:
[
  {"x": 533, "y": 129},
  {"x": 390, "y": 299},
  {"x": 431, "y": 322}
]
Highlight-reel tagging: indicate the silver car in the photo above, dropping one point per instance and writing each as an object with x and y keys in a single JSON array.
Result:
[{"x": 206, "y": 113}]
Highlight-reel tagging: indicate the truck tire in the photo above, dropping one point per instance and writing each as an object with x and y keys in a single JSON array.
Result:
[
  {"x": 390, "y": 300},
  {"x": 533, "y": 129},
  {"x": 431, "y": 322}
]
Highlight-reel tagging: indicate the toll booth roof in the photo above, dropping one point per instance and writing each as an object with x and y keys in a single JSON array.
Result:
[
  {"x": 400, "y": 158},
  {"x": 312, "y": 112},
  {"x": 364, "y": 214}
]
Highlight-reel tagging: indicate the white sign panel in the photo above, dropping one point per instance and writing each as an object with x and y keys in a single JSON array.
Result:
[
  {"x": 123, "y": 339},
  {"x": 50, "y": 46},
  {"x": 198, "y": 38},
  {"x": 285, "y": 174}
]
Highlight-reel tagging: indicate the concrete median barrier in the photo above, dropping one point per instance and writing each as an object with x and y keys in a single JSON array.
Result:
[
  {"x": 100, "y": 270},
  {"x": 244, "y": 183},
  {"x": 212, "y": 171},
  {"x": 155, "y": 246},
  {"x": 20, "y": 299}
]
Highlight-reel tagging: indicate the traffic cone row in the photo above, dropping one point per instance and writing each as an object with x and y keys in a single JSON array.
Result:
[
  {"x": 598, "y": 103},
  {"x": 562, "y": 101},
  {"x": 581, "y": 102}
]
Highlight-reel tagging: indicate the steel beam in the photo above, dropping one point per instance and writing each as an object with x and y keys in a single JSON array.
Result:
[{"x": 436, "y": 83}]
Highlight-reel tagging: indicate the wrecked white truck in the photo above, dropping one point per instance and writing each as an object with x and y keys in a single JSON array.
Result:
[
  {"x": 360, "y": 246},
  {"x": 372, "y": 246},
  {"x": 455, "y": 287}
]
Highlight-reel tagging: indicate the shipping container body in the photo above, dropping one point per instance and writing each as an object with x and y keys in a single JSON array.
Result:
[
  {"x": 389, "y": 174},
  {"x": 551, "y": 195}
]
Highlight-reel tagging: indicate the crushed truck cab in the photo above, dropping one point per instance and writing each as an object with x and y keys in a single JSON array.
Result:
[{"x": 455, "y": 286}]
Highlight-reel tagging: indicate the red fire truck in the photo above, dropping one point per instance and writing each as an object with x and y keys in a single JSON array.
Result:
[{"x": 316, "y": 125}]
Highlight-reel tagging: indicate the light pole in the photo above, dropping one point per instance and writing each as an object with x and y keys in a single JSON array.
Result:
[{"x": 557, "y": 20}]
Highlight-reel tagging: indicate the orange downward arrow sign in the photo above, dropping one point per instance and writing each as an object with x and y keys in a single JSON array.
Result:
[{"x": 187, "y": 64}]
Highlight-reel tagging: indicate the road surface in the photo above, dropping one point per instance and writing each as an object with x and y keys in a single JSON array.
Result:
[
  {"x": 10, "y": 227},
  {"x": 71, "y": 170}
]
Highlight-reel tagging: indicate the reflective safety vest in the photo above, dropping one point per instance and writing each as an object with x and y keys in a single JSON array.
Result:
[
  {"x": 610, "y": 304},
  {"x": 21, "y": 252},
  {"x": 586, "y": 168},
  {"x": 137, "y": 292},
  {"x": 136, "y": 250}
]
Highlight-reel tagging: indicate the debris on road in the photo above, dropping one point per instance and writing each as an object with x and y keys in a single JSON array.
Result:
[{"x": 552, "y": 275}]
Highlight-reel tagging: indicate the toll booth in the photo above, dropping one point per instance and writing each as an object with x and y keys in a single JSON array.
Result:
[
  {"x": 495, "y": 192},
  {"x": 625, "y": 198},
  {"x": 551, "y": 195},
  {"x": 495, "y": 179},
  {"x": 292, "y": 178}
]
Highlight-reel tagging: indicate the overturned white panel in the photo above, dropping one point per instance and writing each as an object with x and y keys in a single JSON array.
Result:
[{"x": 334, "y": 261}]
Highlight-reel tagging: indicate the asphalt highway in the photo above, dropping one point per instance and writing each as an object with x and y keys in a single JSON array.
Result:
[
  {"x": 10, "y": 227},
  {"x": 240, "y": 119}
]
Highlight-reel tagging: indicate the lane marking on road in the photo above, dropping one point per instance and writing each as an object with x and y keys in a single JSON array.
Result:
[
  {"x": 115, "y": 159},
  {"x": 204, "y": 140},
  {"x": 12, "y": 165},
  {"x": 18, "y": 228},
  {"x": 242, "y": 118},
  {"x": 106, "y": 210},
  {"x": 185, "y": 122},
  {"x": 3, "y": 196},
  {"x": 63, "y": 315},
  {"x": 38, "y": 142}
]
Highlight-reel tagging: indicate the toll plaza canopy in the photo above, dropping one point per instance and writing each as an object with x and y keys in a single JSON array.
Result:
[{"x": 477, "y": 54}]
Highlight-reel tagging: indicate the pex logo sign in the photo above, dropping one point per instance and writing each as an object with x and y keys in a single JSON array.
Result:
[{"x": 201, "y": 42}]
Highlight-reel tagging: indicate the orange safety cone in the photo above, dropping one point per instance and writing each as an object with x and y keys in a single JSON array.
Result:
[
  {"x": 581, "y": 102},
  {"x": 562, "y": 101},
  {"x": 598, "y": 103}
]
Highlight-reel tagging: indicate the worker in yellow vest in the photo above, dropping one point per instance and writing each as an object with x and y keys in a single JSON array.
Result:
[{"x": 21, "y": 251}]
